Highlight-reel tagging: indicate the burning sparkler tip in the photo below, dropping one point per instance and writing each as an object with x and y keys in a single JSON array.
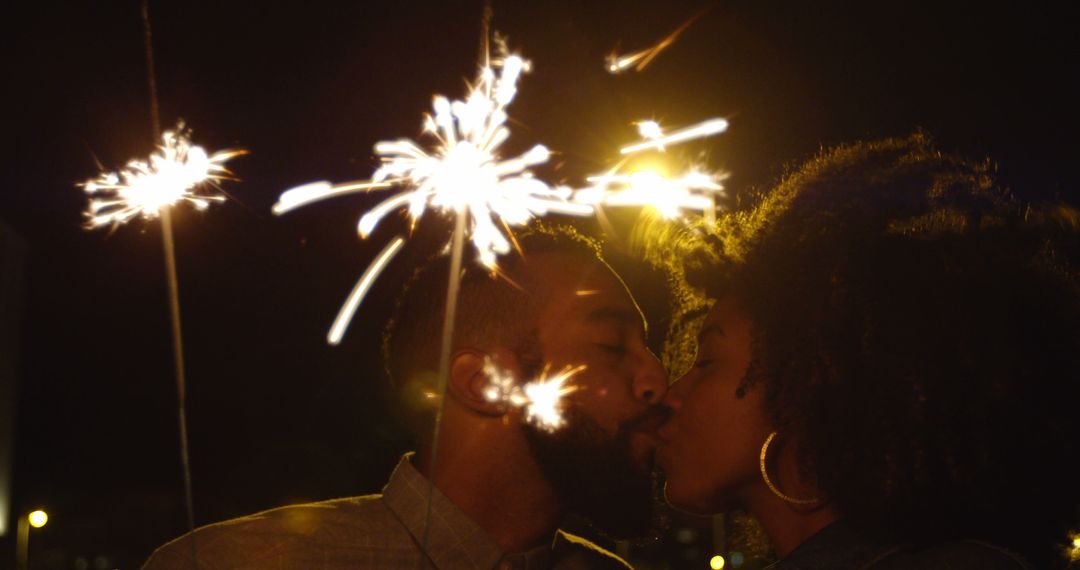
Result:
[{"x": 176, "y": 172}]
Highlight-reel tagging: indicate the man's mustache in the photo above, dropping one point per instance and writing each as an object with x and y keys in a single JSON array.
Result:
[{"x": 655, "y": 414}]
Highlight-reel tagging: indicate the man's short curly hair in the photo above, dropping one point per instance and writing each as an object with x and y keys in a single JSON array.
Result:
[{"x": 916, "y": 328}]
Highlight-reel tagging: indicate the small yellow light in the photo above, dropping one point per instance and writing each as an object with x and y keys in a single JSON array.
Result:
[
  {"x": 38, "y": 519},
  {"x": 717, "y": 562},
  {"x": 1073, "y": 553}
]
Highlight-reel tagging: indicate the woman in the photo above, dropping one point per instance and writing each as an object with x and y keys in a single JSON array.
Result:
[{"x": 889, "y": 369}]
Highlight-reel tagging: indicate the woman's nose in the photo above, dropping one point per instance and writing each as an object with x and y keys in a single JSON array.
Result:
[{"x": 674, "y": 396}]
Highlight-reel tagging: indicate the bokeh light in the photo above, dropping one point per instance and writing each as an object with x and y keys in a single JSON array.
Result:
[{"x": 38, "y": 518}]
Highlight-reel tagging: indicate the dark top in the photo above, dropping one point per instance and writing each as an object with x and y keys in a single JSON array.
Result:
[{"x": 839, "y": 546}]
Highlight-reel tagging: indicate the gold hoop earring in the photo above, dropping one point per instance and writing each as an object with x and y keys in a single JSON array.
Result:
[{"x": 768, "y": 482}]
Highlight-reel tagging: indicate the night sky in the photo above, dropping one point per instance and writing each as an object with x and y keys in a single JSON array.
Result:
[{"x": 276, "y": 416}]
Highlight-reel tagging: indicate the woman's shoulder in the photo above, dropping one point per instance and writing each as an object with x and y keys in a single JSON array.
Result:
[{"x": 957, "y": 555}]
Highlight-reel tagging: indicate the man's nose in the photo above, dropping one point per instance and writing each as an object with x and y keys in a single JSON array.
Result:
[{"x": 650, "y": 383}]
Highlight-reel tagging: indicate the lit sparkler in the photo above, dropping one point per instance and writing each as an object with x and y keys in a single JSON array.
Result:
[
  {"x": 639, "y": 60},
  {"x": 694, "y": 190},
  {"x": 177, "y": 172},
  {"x": 541, "y": 398},
  {"x": 463, "y": 173}
]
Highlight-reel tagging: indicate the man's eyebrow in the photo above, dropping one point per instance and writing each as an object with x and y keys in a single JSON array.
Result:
[
  {"x": 622, "y": 315},
  {"x": 710, "y": 329}
]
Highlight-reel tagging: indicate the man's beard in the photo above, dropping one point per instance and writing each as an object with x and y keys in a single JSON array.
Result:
[{"x": 594, "y": 472}]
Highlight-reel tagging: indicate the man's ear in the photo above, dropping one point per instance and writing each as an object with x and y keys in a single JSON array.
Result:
[{"x": 469, "y": 381}]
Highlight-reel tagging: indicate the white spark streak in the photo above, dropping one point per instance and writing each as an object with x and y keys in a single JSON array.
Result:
[
  {"x": 617, "y": 64},
  {"x": 703, "y": 129},
  {"x": 345, "y": 315},
  {"x": 639, "y": 60}
]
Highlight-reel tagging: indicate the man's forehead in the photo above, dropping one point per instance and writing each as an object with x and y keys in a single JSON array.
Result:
[
  {"x": 585, "y": 288},
  {"x": 569, "y": 274}
]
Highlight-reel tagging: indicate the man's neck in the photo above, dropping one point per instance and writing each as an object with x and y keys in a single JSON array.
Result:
[{"x": 506, "y": 496}]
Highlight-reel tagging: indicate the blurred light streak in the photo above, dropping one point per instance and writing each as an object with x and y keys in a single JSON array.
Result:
[
  {"x": 341, "y": 323},
  {"x": 639, "y": 60}
]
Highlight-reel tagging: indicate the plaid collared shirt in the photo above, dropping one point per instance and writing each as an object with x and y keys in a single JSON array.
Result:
[{"x": 370, "y": 532}]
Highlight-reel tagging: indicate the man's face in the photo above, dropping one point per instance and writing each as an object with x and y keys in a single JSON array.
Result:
[{"x": 601, "y": 460}]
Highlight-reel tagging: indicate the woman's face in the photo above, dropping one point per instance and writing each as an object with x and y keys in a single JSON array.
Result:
[{"x": 711, "y": 444}]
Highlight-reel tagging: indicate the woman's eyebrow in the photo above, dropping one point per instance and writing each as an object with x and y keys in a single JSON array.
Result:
[{"x": 710, "y": 329}]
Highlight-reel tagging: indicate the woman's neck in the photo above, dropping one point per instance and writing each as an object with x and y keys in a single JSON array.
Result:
[{"x": 787, "y": 525}]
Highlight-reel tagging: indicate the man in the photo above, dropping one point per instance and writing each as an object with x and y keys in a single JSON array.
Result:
[{"x": 502, "y": 485}]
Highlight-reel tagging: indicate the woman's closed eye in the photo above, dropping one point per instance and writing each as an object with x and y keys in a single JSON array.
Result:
[
  {"x": 617, "y": 349},
  {"x": 704, "y": 362}
]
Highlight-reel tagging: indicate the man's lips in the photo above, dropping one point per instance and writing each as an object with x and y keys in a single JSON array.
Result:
[{"x": 649, "y": 421}]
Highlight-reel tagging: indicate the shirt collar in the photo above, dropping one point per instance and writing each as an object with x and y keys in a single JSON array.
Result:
[{"x": 454, "y": 540}]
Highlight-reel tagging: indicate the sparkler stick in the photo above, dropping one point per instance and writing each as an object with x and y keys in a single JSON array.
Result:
[
  {"x": 178, "y": 362},
  {"x": 449, "y": 318},
  {"x": 174, "y": 295},
  {"x": 176, "y": 172},
  {"x": 639, "y": 60}
]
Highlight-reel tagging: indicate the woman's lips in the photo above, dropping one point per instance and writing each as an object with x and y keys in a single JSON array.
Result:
[
  {"x": 666, "y": 431},
  {"x": 661, "y": 457}
]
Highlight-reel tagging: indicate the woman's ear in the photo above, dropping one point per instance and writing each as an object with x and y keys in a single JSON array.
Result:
[{"x": 470, "y": 381}]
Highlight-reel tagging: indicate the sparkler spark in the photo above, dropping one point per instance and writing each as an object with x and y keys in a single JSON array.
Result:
[
  {"x": 656, "y": 139},
  {"x": 462, "y": 173},
  {"x": 178, "y": 171},
  {"x": 639, "y": 60},
  {"x": 541, "y": 398}
]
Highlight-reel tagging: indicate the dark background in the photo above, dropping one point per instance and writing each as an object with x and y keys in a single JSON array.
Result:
[{"x": 277, "y": 416}]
